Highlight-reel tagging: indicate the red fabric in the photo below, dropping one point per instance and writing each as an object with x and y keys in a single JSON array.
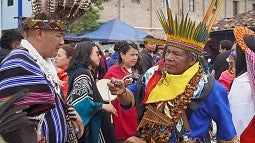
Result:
[
  {"x": 63, "y": 76},
  {"x": 226, "y": 79},
  {"x": 115, "y": 71},
  {"x": 153, "y": 81},
  {"x": 248, "y": 135},
  {"x": 127, "y": 121}
]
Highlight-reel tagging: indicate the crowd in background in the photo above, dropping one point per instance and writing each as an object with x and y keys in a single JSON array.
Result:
[{"x": 128, "y": 62}]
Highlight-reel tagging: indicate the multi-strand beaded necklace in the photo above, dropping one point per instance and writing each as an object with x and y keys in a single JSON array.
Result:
[{"x": 161, "y": 117}]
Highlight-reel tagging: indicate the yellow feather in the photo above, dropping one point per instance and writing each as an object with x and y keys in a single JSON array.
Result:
[
  {"x": 208, "y": 12},
  {"x": 215, "y": 15}
]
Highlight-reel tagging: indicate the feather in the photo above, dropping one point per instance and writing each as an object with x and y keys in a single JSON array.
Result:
[
  {"x": 170, "y": 19},
  {"x": 11, "y": 115},
  {"x": 37, "y": 8},
  {"x": 59, "y": 10},
  {"x": 208, "y": 12},
  {"x": 185, "y": 27},
  {"x": 11, "y": 100},
  {"x": 215, "y": 15},
  {"x": 162, "y": 20},
  {"x": 186, "y": 30}
]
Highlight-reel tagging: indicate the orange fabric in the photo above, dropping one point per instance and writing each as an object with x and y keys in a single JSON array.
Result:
[{"x": 63, "y": 76}]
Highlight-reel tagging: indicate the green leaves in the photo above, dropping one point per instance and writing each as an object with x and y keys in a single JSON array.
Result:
[{"x": 89, "y": 20}]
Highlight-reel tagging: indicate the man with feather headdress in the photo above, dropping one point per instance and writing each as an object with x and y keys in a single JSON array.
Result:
[
  {"x": 31, "y": 68},
  {"x": 177, "y": 101}
]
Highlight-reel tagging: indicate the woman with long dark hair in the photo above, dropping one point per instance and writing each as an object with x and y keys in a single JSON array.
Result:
[{"x": 85, "y": 97}]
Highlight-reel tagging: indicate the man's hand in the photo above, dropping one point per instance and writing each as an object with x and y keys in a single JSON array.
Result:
[{"x": 116, "y": 87}]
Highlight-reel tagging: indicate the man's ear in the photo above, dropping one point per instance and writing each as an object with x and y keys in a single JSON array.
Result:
[
  {"x": 250, "y": 41},
  {"x": 193, "y": 60},
  {"x": 38, "y": 34}
]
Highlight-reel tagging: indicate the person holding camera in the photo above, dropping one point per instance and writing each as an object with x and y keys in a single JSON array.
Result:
[{"x": 127, "y": 70}]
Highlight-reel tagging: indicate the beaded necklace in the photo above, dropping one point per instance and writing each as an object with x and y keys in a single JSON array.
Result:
[{"x": 161, "y": 117}]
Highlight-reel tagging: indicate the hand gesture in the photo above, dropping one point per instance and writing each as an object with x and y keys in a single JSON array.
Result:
[
  {"x": 109, "y": 108},
  {"x": 116, "y": 87}
]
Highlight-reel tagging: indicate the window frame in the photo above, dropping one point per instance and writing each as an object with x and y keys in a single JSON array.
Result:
[
  {"x": 136, "y": 1},
  {"x": 191, "y": 5},
  {"x": 235, "y": 8},
  {"x": 10, "y": 3}
]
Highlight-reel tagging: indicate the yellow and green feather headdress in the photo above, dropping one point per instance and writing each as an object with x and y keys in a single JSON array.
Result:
[{"x": 186, "y": 34}]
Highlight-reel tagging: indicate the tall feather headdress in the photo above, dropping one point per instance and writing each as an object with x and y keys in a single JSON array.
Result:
[
  {"x": 55, "y": 14},
  {"x": 186, "y": 34}
]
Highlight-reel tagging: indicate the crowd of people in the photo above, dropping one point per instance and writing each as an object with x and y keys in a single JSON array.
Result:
[{"x": 49, "y": 92}]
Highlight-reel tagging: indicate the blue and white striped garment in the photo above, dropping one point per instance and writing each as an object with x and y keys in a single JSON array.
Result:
[{"x": 19, "y": 71}]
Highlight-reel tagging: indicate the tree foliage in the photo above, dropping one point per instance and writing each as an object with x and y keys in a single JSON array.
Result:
[{"x": 90, "y": 19}]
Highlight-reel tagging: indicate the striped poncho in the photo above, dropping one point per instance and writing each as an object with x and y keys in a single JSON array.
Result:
[{"x": 19, "y": 71}]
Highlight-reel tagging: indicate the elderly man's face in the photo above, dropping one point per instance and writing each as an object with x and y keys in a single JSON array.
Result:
[
  {"x": 52, "y": 40},
  {"x": 178, "y": 60}
]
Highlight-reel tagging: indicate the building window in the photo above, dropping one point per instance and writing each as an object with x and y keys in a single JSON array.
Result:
[
  {"x": 136, "y": 1},
  {"x": 235, "y": 7},
  {"x": 10, "y": 3},
  {"x": 163, "y": 3},
  {"x": 253, "y": 6},
  {"x": 191, "y": 5}
]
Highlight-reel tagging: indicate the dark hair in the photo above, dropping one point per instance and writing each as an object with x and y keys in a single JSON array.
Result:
[
  {"x": 69, "y": 50},
  {"x": 73, "y": 45},
  {"x": 240, "y": 62},
  {"x": 8, "y": 37},
  {"x": 118, "y": 45},
  {"x": 100, "y": 50},
  {"x": 81, "y": 56},
  {"x": 86, "y": 39},
  {"x": 249, "y": 41},
  {"x": 156, "y": 50},
  {"x": 226, "y": 44},
  {"x": 124, "y": 48},
  {"x": 106, "y": 51},
  {"x": 148, "y": 36}
]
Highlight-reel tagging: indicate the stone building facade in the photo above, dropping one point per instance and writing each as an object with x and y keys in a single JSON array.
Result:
[{"x": 142, "y": 13}]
